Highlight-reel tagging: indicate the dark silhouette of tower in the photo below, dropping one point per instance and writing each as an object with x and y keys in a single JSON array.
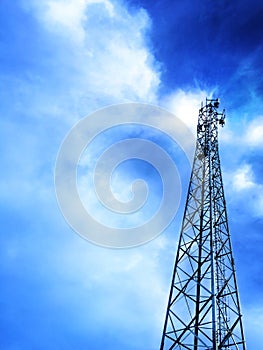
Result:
[{"x": 203, "y": 309}]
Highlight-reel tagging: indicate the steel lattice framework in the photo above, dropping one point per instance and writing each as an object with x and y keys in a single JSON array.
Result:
[{"x": 203, "y": 309}]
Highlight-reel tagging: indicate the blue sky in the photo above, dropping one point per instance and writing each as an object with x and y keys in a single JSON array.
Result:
[{"x": 64, "y": 59}]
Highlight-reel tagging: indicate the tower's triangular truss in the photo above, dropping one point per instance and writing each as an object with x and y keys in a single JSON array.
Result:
[{"x": 203, "y": 309}]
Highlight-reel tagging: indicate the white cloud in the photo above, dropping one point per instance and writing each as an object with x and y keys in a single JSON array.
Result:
[
  {"x": 99, "y": 51},
  {"x": 68, "y": 17},
  {"x": 104, "y": 47},
  {"x": 243, "y": 178},
  {"x": 186, "y": 105},
  {"x": 254, "y": 133},
  {"x": 242, "y": 187},
  {"x": 247, "y": 134}
]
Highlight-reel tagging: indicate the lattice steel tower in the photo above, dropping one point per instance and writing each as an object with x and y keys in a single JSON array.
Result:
[{"x": 203, "y": 309}]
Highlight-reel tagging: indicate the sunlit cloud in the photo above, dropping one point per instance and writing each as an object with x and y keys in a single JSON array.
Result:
[
  {"x": 254, "y": 133},
  {"x": 185, "y": 105},
  {"x": 243, "y": 178},
  {"x": 105, "y": 47}
]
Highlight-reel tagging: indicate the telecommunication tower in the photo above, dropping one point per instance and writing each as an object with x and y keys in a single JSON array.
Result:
[{"x": 203, "y": 308}]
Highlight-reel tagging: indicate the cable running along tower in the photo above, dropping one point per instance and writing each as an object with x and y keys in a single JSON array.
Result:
[{"x": 203, "y": 309}]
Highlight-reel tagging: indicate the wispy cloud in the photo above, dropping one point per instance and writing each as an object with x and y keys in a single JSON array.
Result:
[
  {"x": 243, "y": 178},
  {"x": 68, "y": 18},
  {"x": 243, "y": 189},
  {"x": 254, "y": 133},
  {"x": 185, "y": 105},
  {"x": 105, "y": 49}
]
